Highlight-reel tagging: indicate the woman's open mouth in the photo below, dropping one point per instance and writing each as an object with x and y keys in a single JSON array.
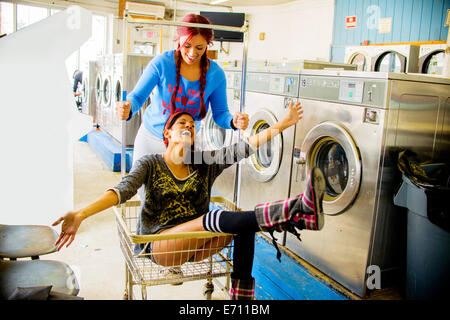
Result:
[
  {"x": 191, "y": 59},
  {"x": 186, "y": 133}
]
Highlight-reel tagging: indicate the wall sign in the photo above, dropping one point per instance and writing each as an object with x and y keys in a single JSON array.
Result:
[
  {"x": 350, "y": 22},
  {"x": 385, "y": 25}
]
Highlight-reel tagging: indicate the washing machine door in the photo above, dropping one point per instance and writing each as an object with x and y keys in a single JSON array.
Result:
[
  {"x": 433, "y": 63},
  {"x": 215, "y": 137},
  {"x": 98, "y": 89},
  {"x": 118, "y": 91},
  {"x": 330, "y": 147},
  {"x": 390, "y": 61},
  {"x": 360, "y": 60},
  {"x": 265, "y": 162},
  {"x": 106, "y": 96}
]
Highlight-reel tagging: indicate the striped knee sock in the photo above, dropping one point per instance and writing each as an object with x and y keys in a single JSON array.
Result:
[{"x": 230, "y": 221}]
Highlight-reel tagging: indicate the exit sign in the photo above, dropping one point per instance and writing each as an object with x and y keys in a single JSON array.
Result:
[{"x": 350, "y": 22}]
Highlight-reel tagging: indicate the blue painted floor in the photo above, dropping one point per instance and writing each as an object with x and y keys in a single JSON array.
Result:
[
  {"x": 286, "y": 280},
  {"x": 108, "y": 149}
]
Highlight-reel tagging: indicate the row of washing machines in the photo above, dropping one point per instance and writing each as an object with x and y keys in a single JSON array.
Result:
[
  {"x": 354, "y": 123},
  {"x": 427, "y": 59},
  {"x": 103, "y": 82}
]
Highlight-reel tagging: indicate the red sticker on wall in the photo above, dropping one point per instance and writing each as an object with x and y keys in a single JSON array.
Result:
[{"x": 350, "y": 22}]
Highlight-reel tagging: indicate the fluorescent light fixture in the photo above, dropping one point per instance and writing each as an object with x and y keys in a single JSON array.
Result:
[{"x": 218, "y": 1}]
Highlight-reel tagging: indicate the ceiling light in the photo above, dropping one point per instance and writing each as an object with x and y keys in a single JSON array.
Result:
[{"x": 217, "y": 1}]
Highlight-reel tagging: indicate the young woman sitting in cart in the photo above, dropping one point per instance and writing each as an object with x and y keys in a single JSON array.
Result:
[{"x": 178, "y": 185}]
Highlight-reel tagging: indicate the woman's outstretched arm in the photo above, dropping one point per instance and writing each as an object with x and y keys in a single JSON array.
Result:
[
  {"x": 72, "y": 220},
  {"x": 125, "y": 190},
  {"x": 293, "y": 115}
]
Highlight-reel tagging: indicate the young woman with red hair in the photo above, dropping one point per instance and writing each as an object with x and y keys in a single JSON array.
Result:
[
  {"x": 177, "y": 200},
  {"x": 185, "y": 81}
]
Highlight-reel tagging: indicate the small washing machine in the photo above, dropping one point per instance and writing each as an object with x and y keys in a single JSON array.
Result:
[
  {"x": 265, "y": 174},
  {"x": 432, "y": 58},
  {"x": 135, "y": 66},
  {"x": 396, "y": 58},
  {"x": 98, "y": 89},
  {"x": 384, "y": 58},
  {"x": 215, "y": 137},
  {"x": 361, "y": 56},
  {"x": 88, "y": 97},
  {"x": 354, "y": 124},
  {"x": 106, "y": 112},
  {"x": 117, "y": 85}
]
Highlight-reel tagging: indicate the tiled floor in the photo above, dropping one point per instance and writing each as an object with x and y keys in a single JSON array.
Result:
[{"x": 95, "y": 255}]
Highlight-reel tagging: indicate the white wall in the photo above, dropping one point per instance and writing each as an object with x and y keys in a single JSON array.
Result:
[{"x": 299, "y": 30}]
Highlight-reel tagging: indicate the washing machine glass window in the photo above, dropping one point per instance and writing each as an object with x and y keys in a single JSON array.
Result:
[
  {"x": 85, "y": 91},
  {"x": 118, "y": 91},
  {"x": 264, "y": 154},
  {"x": 106, "y": 92},
  {"x": 98, "y": 89},
  {"x": 435, "y": 63},
  {"x": 360, "y": 60},
  {"x": 215, "y": 136},
  {"x": 266, "y": 162},
  {"x": 389, "y": 62},
  {"x": 332, "y": 160},
  {"x": 330, "y": 147}
]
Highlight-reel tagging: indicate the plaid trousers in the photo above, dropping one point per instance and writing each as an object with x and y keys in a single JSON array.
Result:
[
  {"x": 242, "y": 289},
  {"x": 270, "y": 214}
]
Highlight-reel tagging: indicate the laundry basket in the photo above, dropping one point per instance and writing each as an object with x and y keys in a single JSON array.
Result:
[{"x": 143, "y": 271}]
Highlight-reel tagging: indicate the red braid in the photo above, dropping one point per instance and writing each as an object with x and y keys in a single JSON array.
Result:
[
  {"x": 175, "y": 90},
  {"x": 204, "y": 69}
]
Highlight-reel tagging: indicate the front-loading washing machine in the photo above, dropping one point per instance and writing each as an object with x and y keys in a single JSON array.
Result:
[
  {"x": 106, "y": 113},
  {"x": 432, "y": 58},
  {"x": 354, "y": 124},
  {"x": 127, "y": 79},
  {"x": 396, "y": 58},
  {"x": 215, "y": 137},
  {"x": 361, "y": 56},
  {"x": 117, "y": 87},
  {"x": 384, "y": 58},
  {"x": 98, "y": 91},
  {"x": 265, "y": 174},
  {"x": 88, "y": 96}
]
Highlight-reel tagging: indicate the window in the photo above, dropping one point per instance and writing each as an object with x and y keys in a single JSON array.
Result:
[
  {"x": 6, "y": 18},
  {"x": 96, "y": 45},
  {"x": 27, "y": 15}
]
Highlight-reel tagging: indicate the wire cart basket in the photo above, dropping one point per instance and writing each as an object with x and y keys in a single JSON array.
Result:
[{"x": 142, "y": 269}]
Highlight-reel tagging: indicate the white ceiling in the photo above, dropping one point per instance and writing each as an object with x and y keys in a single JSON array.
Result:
[
  {"x": 228, "y": 3},
  {"x": 246, "y": 3}
]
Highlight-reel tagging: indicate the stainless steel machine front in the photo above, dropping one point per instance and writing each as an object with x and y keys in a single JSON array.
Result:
[
  {"x": 266, "y": 174},
  {"x": 214, "y": 137},
  {"x": 354, "y": 124},
  {"x": 98, "y": 90},
  {"x": 136, "y": 65},
  {"x": 432, "y": 58},
  {"x": 88, "y": 97},
  {"x": 106, "y": 111}
]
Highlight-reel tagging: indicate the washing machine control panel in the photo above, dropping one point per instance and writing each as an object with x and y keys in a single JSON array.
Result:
[
  {"x": 273, "y": 83},
  {"x": 368, "y": 92},
  {"x": 351, "y": 90}
]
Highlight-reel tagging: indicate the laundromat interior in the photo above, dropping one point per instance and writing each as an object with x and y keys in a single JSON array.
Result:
[{"x": 373, "y": 81}]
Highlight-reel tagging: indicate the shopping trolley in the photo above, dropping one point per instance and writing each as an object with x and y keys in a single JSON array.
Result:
[{"x": 142, "y": 269}]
